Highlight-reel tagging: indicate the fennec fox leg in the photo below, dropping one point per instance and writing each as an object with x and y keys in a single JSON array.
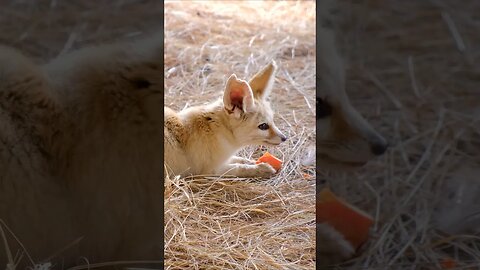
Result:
[
  {"x": 262, "y": 170},
  {"x": 241, "y": 160},
  {"x": 331, "y": 246}
]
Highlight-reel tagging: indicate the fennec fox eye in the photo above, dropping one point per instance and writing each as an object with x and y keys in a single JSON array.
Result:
[
  {"x": 263, "y": 126},
  {"x": 323, "y": 108}
]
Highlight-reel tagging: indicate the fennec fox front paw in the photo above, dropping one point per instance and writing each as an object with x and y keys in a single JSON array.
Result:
[
  {"x": 241, "y": 160},
  {"x": 331, "y": 246},
  {"x": 262, "y": 170},
  {"x": 265, "y": 170}
]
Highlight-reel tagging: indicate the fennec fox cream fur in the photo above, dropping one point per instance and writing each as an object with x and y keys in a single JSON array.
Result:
[
  {"x": 81, "y": 154},
  {"x": 203, "y": 139}
]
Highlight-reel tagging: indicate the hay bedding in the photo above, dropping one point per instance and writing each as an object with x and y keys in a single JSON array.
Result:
[
  {"x": 413, "y": 72},
  {"x": 221, "y": 223}
]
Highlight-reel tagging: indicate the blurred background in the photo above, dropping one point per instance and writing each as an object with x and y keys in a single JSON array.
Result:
[
  {"x": 413, "y": 72},
  {"x": 47, "y": 28}
]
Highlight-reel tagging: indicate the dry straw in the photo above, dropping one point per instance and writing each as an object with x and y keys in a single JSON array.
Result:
[{"x": 222, "y": 223}]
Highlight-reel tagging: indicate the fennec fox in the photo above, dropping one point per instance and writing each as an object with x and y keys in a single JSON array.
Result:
[
  {"x": 203, "y": 139},
  {"x": 81, "y": 154},
  {"x": 345, "y": 140}
]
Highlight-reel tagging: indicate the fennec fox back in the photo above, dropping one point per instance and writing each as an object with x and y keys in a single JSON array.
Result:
[
  {"x": 80, "y": 154},
  {"x": 203, "y": 139}
]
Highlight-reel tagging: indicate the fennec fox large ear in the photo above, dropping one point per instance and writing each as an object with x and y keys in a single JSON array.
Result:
[
  {"x": 238, "y": 96},
  {"x": 262, "y": 82}
]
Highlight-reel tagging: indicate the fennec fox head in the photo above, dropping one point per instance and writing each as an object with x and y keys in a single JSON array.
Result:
[
  {"x": 248, "y": 110},
  {"x": 344, "y": 137}
]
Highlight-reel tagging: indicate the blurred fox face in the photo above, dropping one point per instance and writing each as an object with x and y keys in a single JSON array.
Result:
[{"x": 344, "y": 137}]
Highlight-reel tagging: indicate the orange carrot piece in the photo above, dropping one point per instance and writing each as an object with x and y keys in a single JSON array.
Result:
[
  {"x": 351, "y": 222},
  {"x": 270, "y": 159},
  {"x": 307, "y": 176}
]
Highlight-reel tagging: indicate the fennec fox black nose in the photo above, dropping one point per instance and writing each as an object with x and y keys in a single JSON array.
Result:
[
  {"x": 379, "y": 148},
  {"x": 284, "y": 138}
]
